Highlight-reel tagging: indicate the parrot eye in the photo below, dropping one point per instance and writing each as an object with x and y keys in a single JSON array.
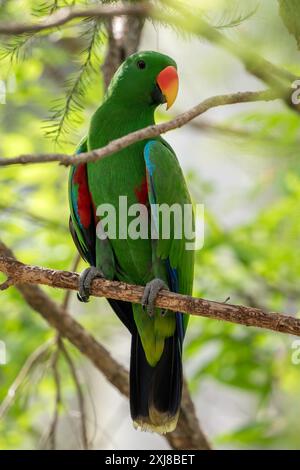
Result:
[{"x": 141, "y": 64}]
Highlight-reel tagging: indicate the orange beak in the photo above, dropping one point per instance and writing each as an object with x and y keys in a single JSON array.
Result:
[{"x": 168, "y": 83}]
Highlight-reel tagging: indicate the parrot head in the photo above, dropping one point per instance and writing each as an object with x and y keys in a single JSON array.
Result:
[{"x": 146, "y": 79}]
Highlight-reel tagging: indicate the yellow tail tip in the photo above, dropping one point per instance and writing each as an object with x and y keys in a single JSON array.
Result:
[{"x": 160, "y": 423}]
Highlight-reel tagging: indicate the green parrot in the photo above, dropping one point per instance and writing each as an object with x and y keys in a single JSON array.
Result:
[{"x": 147, "y": 173}]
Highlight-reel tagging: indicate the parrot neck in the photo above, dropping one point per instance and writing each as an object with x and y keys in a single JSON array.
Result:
[{"x": 113, "y": 120}]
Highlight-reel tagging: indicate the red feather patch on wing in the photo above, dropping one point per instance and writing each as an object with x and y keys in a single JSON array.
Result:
[
  {"x": 84, "y": 201},
  {"x": 141, "y": 192}
]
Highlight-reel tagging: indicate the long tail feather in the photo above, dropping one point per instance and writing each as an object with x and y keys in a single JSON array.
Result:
[{"x": 155, "y": 392}]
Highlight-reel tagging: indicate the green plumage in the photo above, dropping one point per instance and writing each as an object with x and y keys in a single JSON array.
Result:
[{"x": 129, "y": 106}]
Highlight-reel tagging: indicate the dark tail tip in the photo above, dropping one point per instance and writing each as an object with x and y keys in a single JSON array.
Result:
[{"x": 155, "y": 392}]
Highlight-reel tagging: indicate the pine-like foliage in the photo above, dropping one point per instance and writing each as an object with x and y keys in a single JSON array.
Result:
[
  {"x": 19, "y": 47},
  {"x": 67, "y": 111}
]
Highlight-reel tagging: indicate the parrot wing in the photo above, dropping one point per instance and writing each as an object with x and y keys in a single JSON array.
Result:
[
  {"x": 83, "y": 224},
  {"x": 166, "y": 185},
  {"x": 82, "y": 218},
  {"x": 156, "y": 353}
]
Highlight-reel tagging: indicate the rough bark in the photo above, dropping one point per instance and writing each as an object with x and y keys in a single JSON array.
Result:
[
  {"x": 20, "y": 274},
  {"x": 188, "y": 434}
]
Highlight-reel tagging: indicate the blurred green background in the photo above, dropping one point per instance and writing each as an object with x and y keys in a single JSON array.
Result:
[{"x": 243, "y": 165}]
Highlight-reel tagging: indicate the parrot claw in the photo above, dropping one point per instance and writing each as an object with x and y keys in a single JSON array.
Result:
[
  {"x": 151, "y": 291},
  {"x": 85, "y": 281}
]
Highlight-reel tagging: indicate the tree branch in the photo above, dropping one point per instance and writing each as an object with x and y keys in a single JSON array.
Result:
[
  {"x": 147, "y": 132},
  {"x": 188, "y": 434},
  {"x": 51, "y": 437},
  {"x": 124, "y": 34},
  {"x": 19, "y": 273},
  {"x": 66, "y": 14},
  {"x": 79, "y": 393},
  {"x": 253, "y": 62},
  {"x": 58, "y": 318},
  {"x": 184, "y": 20}
]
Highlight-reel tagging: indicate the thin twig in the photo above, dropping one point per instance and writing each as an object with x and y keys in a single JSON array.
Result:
[
  {"x": 35, "y": 358},
  {"x": 67, "y": 14},
  {"x": 62, "y": 348},
  {"x": 58, "y": 400},
  {"x": 147, "y": 132},
  {"x": 80, "y": 396}
]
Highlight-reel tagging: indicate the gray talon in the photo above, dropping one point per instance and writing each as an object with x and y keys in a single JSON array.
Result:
[
  {"x": 85, "y": 281},
  {"x": 151, "y": 291}
]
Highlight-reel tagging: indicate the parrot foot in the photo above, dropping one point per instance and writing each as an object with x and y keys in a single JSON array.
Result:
[
  {"x": 151, "y": 291},
  {"x": 85, "y": 281}
]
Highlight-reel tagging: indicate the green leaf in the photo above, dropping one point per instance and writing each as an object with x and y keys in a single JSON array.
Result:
[{"x": 290, "y": 15}]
